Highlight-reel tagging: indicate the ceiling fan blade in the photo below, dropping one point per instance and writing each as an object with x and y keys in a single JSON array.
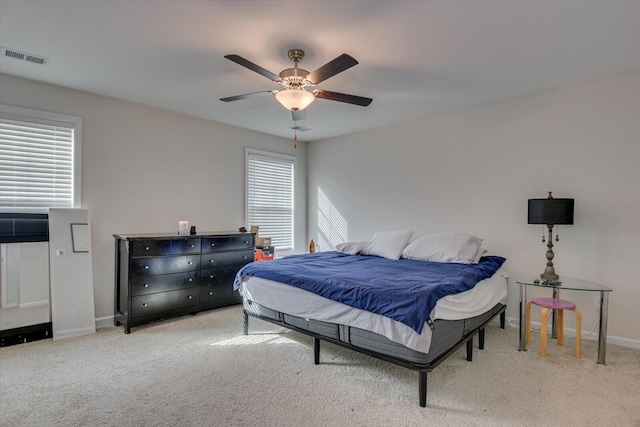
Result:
[
  {"x": 298, "y": 115},
  {"x": 248, "y": 95},
  {"x": 330, "y": 69},
  {"x": 342, "y": 97},
  {"x": 254, "y": 67}
]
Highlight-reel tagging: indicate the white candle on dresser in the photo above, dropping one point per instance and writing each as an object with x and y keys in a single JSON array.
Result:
[{"x": 183, "y": 227}]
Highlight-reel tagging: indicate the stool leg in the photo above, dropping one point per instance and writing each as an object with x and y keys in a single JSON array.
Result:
[
  {"x": 543, "y": 332},
  {"x": 528, "y": 324},
  {"x": 560, "y": 325},
  {"x": 578, "y": 332}
]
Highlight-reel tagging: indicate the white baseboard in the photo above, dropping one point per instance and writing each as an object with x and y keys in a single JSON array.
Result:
[
  {"x": 592, "y": 336},
  {"x": 34, "y": 304},
  {"x": 512, "y": 322},
  {"x": 71, "y": 333},
  {"x": 104, "y": 322},
  {"x": 621, "y": 341}
]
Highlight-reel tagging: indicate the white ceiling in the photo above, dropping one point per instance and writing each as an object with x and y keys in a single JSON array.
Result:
[{"x": 416, "y": 58}]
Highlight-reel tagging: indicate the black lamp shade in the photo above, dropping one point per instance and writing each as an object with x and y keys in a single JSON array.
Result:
[{"x": 550, "y": 211}]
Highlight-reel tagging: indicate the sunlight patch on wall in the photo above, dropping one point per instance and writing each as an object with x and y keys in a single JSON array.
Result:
[{"x": 332, "y": 226}]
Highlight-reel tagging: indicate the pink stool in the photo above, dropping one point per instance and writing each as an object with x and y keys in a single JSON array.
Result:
[{"x": 553, "y": 304}]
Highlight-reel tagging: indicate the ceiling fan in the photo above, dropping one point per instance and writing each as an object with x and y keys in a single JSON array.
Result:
[{"x": 295, "y": 81}]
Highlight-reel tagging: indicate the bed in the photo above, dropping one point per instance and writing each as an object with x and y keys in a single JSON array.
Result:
[{"x": 335, "y": 297}]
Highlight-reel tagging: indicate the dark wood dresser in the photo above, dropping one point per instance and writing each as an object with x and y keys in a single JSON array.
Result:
[{"x": 166, "y": 275}]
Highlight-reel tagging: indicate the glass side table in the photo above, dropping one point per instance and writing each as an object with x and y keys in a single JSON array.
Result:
[{"x": 567, "y": 283}]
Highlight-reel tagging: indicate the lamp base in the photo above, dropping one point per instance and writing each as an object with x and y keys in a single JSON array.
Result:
[{"x": 550, "y": 276}]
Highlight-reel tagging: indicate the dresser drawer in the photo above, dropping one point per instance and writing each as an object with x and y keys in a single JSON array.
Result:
[
  {"x": 142, "y": 248},
  {"x": 219, "y": 275},
  {"x": 224, "y": 259},
  {"x": 215, "y": 293},
  {"x": 164, "y": 301},
  {"x": 229, "y": 243},
  {"x": 166, "y": 282},
  {"x": 164, "y": 265}
]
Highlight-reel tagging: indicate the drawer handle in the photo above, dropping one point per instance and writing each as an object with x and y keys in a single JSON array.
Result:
[
  {"x": 246, "y": 242},
  {"x": 190, "y": 279},
  {"x": 146, "y": 285},
  {"x": 244, "y": 257},
  {"x": 189, "y": 263},
  {"x": 210, "y": 293},
  {"x": 211, "y": 276},
  {"x": 144, "y": 304},
  {"x": 212, "y": 260},
  {"x": 192, "y": 246},
  {"x": 190, "y": 297},
  {"x": 146, "y": 267},
  {"x": 146, "y": 248},
  {"x": 213, "y": 244}
]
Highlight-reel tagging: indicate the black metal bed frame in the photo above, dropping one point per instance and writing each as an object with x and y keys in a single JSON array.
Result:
[{"x": 422, "y": 369}]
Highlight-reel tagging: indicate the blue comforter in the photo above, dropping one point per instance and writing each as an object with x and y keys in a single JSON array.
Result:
[{"x": 404, "y": 290}]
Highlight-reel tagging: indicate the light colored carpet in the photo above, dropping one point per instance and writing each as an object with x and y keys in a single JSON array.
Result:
[{"x": 201, "y": 371}]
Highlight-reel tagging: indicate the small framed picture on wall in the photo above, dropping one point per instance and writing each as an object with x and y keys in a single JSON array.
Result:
[{"x": 80, "y": 238}]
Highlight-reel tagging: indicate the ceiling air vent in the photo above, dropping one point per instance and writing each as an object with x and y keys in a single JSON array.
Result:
[{"x": 23, "y": 56}]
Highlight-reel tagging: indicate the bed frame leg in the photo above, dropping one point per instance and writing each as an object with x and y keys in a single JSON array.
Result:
[
  {"x": 422, "y": 388},
  {"x": 470, "y": 349},
  {"x": 245, "y": 322},
  {"x": 481, "y": 339},
  {"x": 503, "y": 317},
  {"x": 316, "y": 350}
]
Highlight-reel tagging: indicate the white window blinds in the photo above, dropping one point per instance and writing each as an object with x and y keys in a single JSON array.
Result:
[
  {"x": 36, "y": 163},
  {"x": 270, "y": 196}
]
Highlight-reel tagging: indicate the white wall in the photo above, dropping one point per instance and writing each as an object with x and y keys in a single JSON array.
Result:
[
  {"x": 34, "y": 273},
  {"x": 473, "y": 170},
  {"x": 10, "y": 275},
  {"x": 144, "y": 169},
  {"x": 24, "y": 274}
]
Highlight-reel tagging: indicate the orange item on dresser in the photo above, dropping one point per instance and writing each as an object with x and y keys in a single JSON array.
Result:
[{"x": 260, "y": 256}]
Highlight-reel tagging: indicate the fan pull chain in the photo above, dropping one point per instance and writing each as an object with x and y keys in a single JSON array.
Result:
[
  {"x": 295, "y": 139},
  {"x": 543, "y": 239}
]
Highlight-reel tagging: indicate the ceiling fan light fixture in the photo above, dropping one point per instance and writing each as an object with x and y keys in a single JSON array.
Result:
[{"x": 295, "y": 99}]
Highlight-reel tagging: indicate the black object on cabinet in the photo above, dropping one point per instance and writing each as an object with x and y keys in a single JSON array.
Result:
[{"x": 159, "y": 276}]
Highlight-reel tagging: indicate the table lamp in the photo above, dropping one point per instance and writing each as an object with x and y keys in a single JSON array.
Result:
[{"x": 551, "y": 212}]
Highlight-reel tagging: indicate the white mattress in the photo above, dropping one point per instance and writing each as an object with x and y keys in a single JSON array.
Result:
[{"x": 298, "y": 302}]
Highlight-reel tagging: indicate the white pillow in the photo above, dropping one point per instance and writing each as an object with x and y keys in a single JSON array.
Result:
[
  {"x": 388, "y": 244},
  {"x": 444, "y": 247},
  {"x": 481, "y": 252},
  {"x": 351, "y": 248}
]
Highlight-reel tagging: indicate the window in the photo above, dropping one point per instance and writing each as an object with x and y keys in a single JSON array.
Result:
[
  {"x": 270, "y": 196},
  {"x": 39, "y": 160}
]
